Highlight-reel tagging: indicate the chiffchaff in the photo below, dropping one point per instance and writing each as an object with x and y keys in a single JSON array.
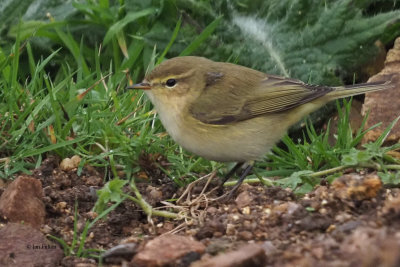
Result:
[{"x": 226, "y": 112}]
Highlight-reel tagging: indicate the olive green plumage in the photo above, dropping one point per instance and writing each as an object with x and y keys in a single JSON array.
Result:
[{"x": 227, "y": 112}]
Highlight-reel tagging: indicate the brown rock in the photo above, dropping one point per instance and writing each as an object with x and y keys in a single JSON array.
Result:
[
  {"x": 372, "y": 247},
  {"x": 368, "y": 189},
  {"x": 168, "y": 250},
  {"x": 93, "y": 181},
  {"x": 69, "y": 164},
  {"x": 22, "y": 201},
  {"x": 22, "y": 245},
  {"x": 244, "y": 199},
  {"x": 248, "y": 255},
  {"x": 391, "y": 208},
  {"x": 357, "y": 187},
  {"x": 154, "y": 195},
  {"x": 245, "y": 235},
  {"x": 384, "y": 106}
]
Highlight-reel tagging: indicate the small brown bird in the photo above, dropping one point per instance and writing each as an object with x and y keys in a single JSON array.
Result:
[{"x": 226, "y": 112}]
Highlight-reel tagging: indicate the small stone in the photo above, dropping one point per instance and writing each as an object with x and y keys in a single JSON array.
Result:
[
  {"x": 280, "y": 208},
  {"x": 66, "y": 164},
  {"x": 46, "y": 229},
  {"x": 267, "y": 211},
  {"x": 357, "y": 187},
  {"x": 391, "y": 208},
  {"x": 331, "y": 228},
  {"x": 235, "y": 217},
  {"x": 168, "y": 250},
  {"x": 155, "y": 193},
  {"x": 292, "y": 207},
  {"x": 342, "y": 217},
  {"x": 93, "y": 181},
  {"x": 245, "y": 235},
  {"x": 22, "y": 201},
  {"x": 323, "y": 211},
  {"x": 315, "y": 221},
  {"x": 230, "y": 229},
  {"x": 249, "y": 255},
  {"x": 246, "y": 210},
  {"x": 249, "y": 225},
  {"x": 369, "y": 188},
  {"x": 69, "y": 164},
  {"x": 244, "y": 199},
  {"x": 61, "y": 206},
  {"x": 76, "y": 160},
  {"x": 218, "y": 234},
  {"x": 123, "y": 251},
  {"x": 91, "y": 215}
]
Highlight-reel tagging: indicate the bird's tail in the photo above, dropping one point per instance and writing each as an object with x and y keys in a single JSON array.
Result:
[{"x": 357, "y": 89}]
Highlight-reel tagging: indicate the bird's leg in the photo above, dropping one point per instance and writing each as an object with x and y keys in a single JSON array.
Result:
[
  {"x": 231, "y": 172},
  {"x": 240, "y": 181},
  {"x": 247, "y": 168}
]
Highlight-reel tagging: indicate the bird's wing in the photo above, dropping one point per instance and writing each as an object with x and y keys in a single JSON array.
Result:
[{"x": 271, "y": 94}]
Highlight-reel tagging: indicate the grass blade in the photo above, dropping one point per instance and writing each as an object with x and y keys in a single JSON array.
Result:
[
  {"x": 130, "y": 17},
  {"x": 201, "y": 38},
  {"x": 174, "y": 35}
]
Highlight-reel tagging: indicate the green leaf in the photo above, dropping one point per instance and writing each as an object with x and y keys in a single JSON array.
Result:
[
  {"x": 201, "y": 38},
  {"x": 390, "y": 178},
  {"x": 173, "y": 37},
  {"x": 381, "y": 139},
  {"x": 130, "y": 17},
  {"x": 111, "y": 192},
  {"x": 27, "y": 29},
  {"x": 38, "y": 151},
  {"x": 355, "y": 157},
  {"x": 11, "y": 10},
  {"x": 294, "y": 179},
  {"x": 304, "y": 188}
]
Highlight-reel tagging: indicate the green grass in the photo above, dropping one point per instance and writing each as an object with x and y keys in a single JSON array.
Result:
[
  {"x": 76, "y": 247},
  {"x": 83, "y": 109},
  {"x": 74, "y": 102},
  {"x": 302, "y": 164}
]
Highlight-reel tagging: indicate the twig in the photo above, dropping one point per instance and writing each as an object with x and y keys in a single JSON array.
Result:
[
  {"x": 250, "y": 181},
  {"x": 374, "y": 166},
  {"x": 147, "y": 208}
]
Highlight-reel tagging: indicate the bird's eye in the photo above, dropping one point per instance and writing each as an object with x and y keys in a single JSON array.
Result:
[{"x": 170, "y": 82}]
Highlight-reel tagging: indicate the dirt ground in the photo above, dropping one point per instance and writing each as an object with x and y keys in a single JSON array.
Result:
[{"x": 353, "y": 222}]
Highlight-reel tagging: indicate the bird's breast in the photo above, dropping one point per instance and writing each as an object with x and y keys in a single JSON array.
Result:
[{"x": 240, "y": 141}]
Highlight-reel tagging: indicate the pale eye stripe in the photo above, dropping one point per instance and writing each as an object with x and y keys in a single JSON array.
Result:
[{"x": 177, "y": 77}]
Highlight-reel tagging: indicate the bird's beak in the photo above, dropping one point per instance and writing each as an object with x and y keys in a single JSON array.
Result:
[{"x": 140, "y": 86}]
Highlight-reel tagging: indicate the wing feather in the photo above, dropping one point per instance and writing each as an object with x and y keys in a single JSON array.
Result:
[{"x": 258, "y": 95}]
